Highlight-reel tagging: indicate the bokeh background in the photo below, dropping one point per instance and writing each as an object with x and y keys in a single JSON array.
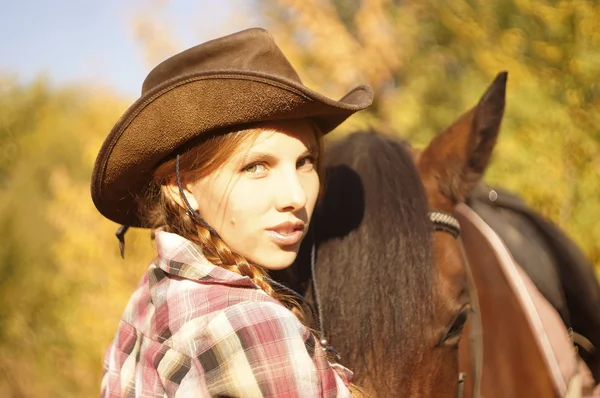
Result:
[{"x": 69, "y": 69}]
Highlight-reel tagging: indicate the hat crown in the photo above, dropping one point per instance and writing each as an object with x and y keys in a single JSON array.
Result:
[{"x": 251, "y": 50}]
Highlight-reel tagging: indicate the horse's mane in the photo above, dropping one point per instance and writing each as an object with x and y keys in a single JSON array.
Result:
[
  {"x": 374, "y": 255},
  {"x": 577, "y": 280}
]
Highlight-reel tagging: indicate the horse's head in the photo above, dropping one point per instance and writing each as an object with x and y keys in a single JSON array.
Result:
[{"x": 450, "y": 167}]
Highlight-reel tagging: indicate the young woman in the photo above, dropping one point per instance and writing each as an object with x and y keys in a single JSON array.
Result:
[{"x": 220, "y": 157}]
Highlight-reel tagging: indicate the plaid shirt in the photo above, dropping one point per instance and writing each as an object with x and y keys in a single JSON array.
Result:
[{"x": 192, "y": 329}]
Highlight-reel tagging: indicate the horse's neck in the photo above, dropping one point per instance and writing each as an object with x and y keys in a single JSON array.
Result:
[
  {"x": 577, "y": 281},
  {"x": 526, "y": 245}
]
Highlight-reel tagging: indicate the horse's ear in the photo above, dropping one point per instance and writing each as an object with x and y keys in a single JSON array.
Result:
[{"x": 455, "y": 160}]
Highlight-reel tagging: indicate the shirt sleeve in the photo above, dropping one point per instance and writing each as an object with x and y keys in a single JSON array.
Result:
[{"x": 260, "y": 349}]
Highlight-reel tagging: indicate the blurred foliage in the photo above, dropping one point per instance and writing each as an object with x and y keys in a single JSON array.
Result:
[{"x": 63, "y": 283}]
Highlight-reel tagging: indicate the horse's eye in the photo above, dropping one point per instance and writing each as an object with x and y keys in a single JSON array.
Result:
[{"x": 452, "y": 336}]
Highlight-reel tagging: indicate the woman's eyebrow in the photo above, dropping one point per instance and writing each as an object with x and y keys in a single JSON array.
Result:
[
  {"x": 311, "y": 150},
  {"x": 253, "y": 157},
  {"x": 312, "y": 147}
]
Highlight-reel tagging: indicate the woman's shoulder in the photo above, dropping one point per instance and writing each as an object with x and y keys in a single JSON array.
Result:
[
  {"x": 187, "y": 308},
  {"x": 249, "y": 319},
  {"x": 258, "y": 316}
]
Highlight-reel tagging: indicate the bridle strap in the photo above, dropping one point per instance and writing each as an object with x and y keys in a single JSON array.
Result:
[
  {"x": 445, "y": 222},
  {"x": 461, "y": 385}
]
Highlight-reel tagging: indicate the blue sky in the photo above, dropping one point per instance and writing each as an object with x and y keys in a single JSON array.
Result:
[{"x": 75, "y": 41}]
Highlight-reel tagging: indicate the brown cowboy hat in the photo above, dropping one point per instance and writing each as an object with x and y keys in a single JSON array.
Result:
[{"x": 233, "y": 80}]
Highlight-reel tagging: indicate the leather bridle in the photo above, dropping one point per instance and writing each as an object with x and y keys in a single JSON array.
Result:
[{"x": 446, "y": 222}]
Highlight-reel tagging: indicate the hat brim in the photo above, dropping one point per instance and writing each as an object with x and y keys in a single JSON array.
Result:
[{"x": 168, "y": 116}]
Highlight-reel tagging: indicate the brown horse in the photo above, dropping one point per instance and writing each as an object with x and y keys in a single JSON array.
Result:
[{"x": 390, "y": 281}]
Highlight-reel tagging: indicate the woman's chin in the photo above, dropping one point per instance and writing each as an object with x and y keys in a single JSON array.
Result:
[{"x": 276, "y": 261}]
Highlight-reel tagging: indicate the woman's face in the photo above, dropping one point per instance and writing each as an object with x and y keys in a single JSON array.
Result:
[{"x": 262, "y": 198}]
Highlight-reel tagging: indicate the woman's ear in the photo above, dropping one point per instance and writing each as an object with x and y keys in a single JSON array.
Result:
[{"x": 172, "y": 191}]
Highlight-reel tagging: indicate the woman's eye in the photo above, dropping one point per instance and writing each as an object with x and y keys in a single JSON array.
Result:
[
  {"x": 255, "y": 168},
  {"x": 307, "y": 161}
]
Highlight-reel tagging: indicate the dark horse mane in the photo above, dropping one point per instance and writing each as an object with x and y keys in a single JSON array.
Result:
[
  {"x": 376, "y": 230},
  {"x": 555, "y": 264}
]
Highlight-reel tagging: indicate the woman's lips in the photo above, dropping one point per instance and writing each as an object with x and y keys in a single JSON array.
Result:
[
  {"x": 287, "y": 233},
  {"x": 285, "y": 238}
]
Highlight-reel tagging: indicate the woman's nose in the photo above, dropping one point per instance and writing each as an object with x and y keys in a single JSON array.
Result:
[{"x": 291, "y": 194}]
